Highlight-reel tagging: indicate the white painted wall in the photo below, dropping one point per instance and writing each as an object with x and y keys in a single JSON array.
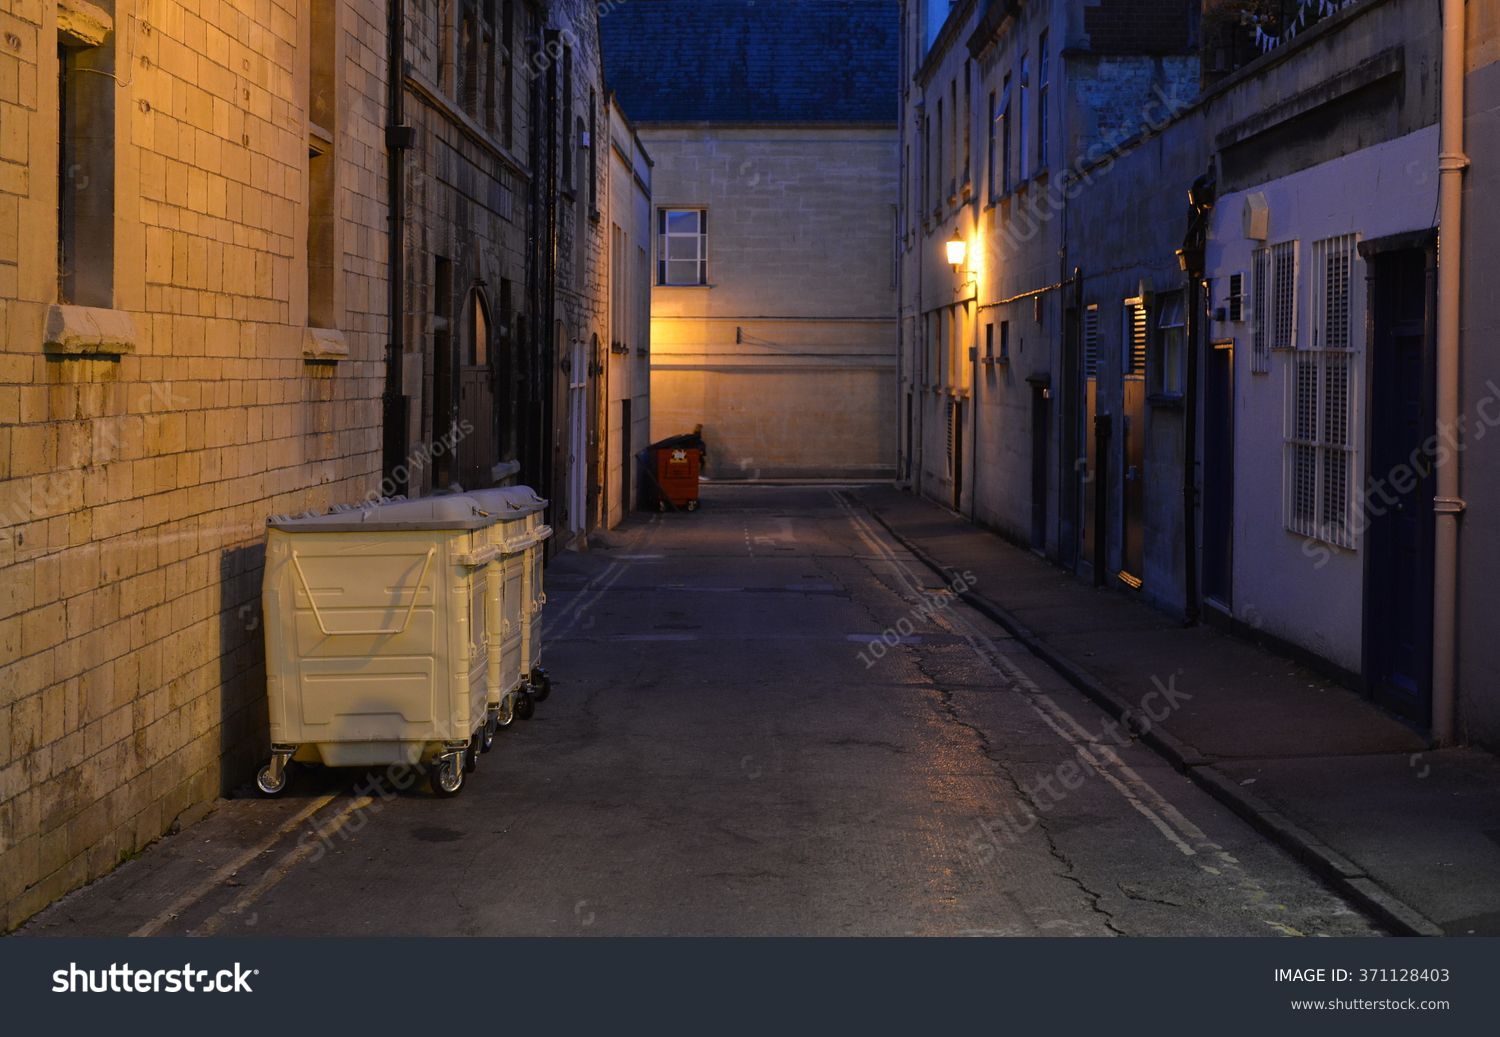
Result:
[{"x": 1304, "y": 591}]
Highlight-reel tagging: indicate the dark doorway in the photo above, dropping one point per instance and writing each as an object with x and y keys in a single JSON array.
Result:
[
  {"x": 1070, "y": 467},
  {"x": 627, "y": 459},
  {"x": 956, "y": 416},
  {"x": 1398, "y": 564},
  {"x": 906, "y": 461},
  {"x": 1218, "y": 472},
  {"x": 1133, "y": 514},
  {"x": 597, "y": 459},
  {"x": 476, "y": 406},
  {"x": 1041, "y": 424}
]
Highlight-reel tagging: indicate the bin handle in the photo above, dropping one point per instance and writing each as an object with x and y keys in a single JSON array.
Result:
[{"x": 410, "y": 609}]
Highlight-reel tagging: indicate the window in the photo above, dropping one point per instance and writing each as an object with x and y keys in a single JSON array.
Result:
[
  {"x": 989, "y": 341},
  {"x": 1236, "y": 302},
  {"x": 682, "y": 247},
  {"x": 1171, "y": 345},
  {"x": 1284, "y": 296},
  {"x": 1137, "y": 325},
  {"x": 1005, "y": 157},
  {"x": 1260, "y": 309},
  {"x": 1091, "y": 341},
  {"x": 468, "y": 60},
  {"x": 922, "y": 190},
  {"x": 86, "y": 170},
  {"x": 991, "y": 151},
  {"x": 479, "y": 332},
  {"x": 487, "y": 61},
  {"x": 593, "y": 146},
  {"x": 322, "y": 172},
  {"x": 1320, "y": 461},
  {"x": 567, "y": 117},
  {"x": 930, "y": 357},
  {"x": 1041, "y": 102},
  {"x": 953, "y": 154},
  {"x": 968, "y": 121},
  {"x": 1005, "y": 341},
  {"x": 508, "y": 73},
  {"x": 1024, "y": 138},
  {"x": 937, "y": 183}
]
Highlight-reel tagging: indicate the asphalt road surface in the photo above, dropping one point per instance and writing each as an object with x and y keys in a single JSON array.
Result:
[{"x": 726, "y": 753}]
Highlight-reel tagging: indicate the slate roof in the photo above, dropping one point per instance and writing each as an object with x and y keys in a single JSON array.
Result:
[{"x": 749, "y": 61}]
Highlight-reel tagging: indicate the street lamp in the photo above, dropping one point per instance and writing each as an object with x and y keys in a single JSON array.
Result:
[{"x": 958, "y": 250}]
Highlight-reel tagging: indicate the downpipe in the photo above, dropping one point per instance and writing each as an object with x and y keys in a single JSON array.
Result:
[
  {"x": 1447, "y": 503},
  {"x": 398, "y": 138}
]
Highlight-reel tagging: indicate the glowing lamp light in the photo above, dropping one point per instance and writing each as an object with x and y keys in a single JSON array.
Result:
[{"x": 958, "y": 251}]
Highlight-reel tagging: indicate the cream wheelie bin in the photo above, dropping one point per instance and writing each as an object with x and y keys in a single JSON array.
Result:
[
  {"x": 377, "y": 638},
  {"x": 520, "y": 536}
]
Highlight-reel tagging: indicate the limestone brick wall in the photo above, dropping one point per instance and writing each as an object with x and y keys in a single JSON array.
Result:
[{"x": 142, "y": 449}]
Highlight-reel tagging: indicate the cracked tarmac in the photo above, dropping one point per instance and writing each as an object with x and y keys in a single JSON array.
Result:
[{"x": 723, "y": 754}]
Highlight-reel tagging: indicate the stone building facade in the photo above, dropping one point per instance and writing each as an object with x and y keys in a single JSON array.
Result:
[
  {"x": 1003, "y": 104},
  {"x": 175, "y": 367},
  {"x": 203, "y": 211},
  {"x": 773, "y": 305}
]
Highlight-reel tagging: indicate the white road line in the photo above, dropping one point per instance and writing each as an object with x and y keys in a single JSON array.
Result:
[
  {"x": 1101, "y": 757},
  {"x": 218, "y": 878},
  {"x": 283, "y": 867}
]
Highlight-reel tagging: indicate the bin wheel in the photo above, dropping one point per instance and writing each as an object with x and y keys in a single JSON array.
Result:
[
  {"x": 487, "y": 736},
  {"x": 507, "y": 716},
  {"x": 692, "y": 505},
  {"x": 525, "y": 705},
  {"x": 447, "y": 776},
  {"x": 269, "y": 782},
  {"x": 661, "y": 505},
  {"x": 471, "y": 754},
  {"x": 541, "y": 684}
]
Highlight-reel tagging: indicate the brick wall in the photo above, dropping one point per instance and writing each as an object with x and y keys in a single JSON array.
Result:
[
  {"x": 134, "y": 488},
  {"x": 1140, "y": 26}
]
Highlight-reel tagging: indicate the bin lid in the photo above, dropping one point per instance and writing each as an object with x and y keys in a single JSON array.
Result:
[
  {"x": 686, "y": 441},
  {"x": 431, "y": 513},
  {"x": 510, "y": 502}
]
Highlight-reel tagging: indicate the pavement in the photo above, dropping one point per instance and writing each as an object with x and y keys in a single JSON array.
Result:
[
  {"x": 1410, "y": 833},
  {"x": 770, "y": 717}
]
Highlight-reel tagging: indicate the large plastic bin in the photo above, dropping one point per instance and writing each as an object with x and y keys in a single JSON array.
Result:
[
  {"x": 379, "y": 639},
  {"x": 672, "y": 468},
  {"x": 520, "y": 535}
]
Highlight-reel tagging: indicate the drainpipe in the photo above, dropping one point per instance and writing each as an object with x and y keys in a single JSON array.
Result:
[
  {"x": 398, "y": 138},
  {"x": 548, "y": 340},
  {"x": 1447, "y": 503},
  {"x": 1193, "y": 258}
]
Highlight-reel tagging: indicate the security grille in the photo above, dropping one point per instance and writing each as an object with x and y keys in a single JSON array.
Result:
[
  {"x": 1260, "y": 310},
  {"x": 1284, "y": 296},
  {"x": 1236, "y": 297},
  {"x": 1321, "y": 460}
]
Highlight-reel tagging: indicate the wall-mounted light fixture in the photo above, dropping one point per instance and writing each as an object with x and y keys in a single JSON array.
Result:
[
  {"x": 958, "y": 251},
  {"x": 958, "y": 254}
]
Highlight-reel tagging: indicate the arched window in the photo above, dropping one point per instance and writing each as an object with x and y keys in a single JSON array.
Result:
[{"x": 478, "y": 330}]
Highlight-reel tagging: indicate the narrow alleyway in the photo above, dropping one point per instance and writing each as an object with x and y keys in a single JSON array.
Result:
[{"x": 723, "y": 754}]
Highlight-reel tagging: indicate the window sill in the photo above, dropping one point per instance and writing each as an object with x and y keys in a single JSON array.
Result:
[
  {"x": 324, "y": 345},
  {"x": 689, "y": 287},
  {"x": 88, "y": 331},
  {"x": 1164, "y": 401}
]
